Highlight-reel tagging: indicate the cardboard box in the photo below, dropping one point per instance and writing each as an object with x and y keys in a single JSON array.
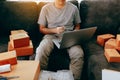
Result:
[
  {"x": 22, "y": 51},
  {"x": 112, "y": 55},
  {"x": 118, "y": 40},
  {"x": 18, "y": 31},
  {"x": 118, "y": 49},
  {"x": 19, "y": 40},
  {"x": 8, "y": 58},
  {"x": 110, "y": 44},
  {"x": 101, "y": 39},
  {"x": 26, "y": 70}
]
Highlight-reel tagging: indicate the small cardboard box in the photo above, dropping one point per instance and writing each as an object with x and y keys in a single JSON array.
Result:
[
  {"x": 112, "y": 55},
  {"x": 8, "y": 58},
  {"x": 18, "y": 31},
  {"x": 110, "y": 44},
  {"x": 22, "y": 51},
  {"x": 118, "y": 49},
  {"x": 101, "y": 39},
  {"x": 26, "y": 70},
  {"x": 118, "y": 40},
  {"x": 19, "y": 40}
]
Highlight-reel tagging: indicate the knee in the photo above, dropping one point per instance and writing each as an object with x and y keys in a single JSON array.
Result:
[
  {"x": 45, "y": 45},
  {"x": 76, "y": 52},
  {"x": 44, "y": 49}
]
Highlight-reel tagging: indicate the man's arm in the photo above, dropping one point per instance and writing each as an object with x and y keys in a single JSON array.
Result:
[
  {"x": 46, "y": 30},
  {"x": 77, "y": 26}
]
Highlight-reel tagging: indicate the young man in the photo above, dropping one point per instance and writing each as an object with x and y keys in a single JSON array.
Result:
[{"x": 54, "y": 19}]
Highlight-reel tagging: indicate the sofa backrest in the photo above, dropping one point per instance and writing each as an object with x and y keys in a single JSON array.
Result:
[
  {"x": 17, "y": 15},
  {"x": 103, "y": 14}
]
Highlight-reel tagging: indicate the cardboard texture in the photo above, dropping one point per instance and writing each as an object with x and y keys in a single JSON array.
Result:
[
  {"x": 101, "y": 39},
  {"x": 8, "y": 58},
  {"x": 110, "y": 44},
  {"x": 118, "y": 49},
  {"x": 22, "y": 51},
  {"x": 26, "y": 70},
  {"x": 112, "y": 55},
  {"x": 118, "y": 40},
  {"x": 18, "y": 31},
  {"x": 19, "y": 40}
]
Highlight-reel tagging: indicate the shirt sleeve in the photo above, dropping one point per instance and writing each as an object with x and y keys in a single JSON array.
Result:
[
  {"x": 77, "y": 16},
  {"x": 42, "y": 17}
]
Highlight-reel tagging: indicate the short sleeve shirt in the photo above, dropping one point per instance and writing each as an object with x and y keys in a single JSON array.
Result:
[{"x": 52, "y": 17}]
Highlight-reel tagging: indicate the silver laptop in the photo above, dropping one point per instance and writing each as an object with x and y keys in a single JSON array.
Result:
[{"x": 72, "y": 38}]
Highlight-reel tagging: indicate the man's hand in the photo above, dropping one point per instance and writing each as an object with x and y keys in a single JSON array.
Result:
[{"x": 60, "y": 29}]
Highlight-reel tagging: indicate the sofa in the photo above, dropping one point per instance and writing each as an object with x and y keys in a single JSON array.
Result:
[
  {"x": 105, "y": 15},
  {"x": 101, "y": 13}
]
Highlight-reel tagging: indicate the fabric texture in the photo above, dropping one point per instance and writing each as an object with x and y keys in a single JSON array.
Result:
[
  {"x": 67, "y": 16},
  {"x": 76, "y": 56}
]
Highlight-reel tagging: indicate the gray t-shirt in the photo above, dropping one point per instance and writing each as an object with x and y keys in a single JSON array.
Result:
[{"x": 52, "y": 17}]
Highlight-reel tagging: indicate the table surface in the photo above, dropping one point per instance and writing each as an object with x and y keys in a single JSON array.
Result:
[{"x": 26, "y": 70}]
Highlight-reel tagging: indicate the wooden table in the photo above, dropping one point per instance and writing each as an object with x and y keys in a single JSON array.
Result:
[{"x": 26, "y": 70}]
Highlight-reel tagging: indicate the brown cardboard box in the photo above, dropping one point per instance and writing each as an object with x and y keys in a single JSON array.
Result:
[
  {"x": 118, "y": 49},
  {"x": 8, "y": 58},
  {"x": 112, "y": 55},
  {"x": 110, "y": 44},
  {"x": 118, "y": 40},
  {"x": 22, "y": 51},
  {"x": 19, "y": 40},
  {"x": 26, "y": 70},
  {"x": 101, "y": 39},
  {"x": 18, "y": 31}
]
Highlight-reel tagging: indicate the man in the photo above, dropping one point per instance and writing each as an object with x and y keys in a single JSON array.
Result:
[{"x": 54, "y": 19}]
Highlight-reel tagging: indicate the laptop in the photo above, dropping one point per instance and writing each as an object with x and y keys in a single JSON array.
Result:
[{"x": 72, "y": 38}]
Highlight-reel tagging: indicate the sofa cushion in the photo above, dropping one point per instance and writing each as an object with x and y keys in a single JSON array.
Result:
[
  {"x": 92, "y": 48},
  {"x": 103, "y": 14},
  {"x": 97, "y": 63}
]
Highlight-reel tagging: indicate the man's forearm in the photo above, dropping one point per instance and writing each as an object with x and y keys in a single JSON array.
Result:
[
  {"x": 77, "y": 27},
  {"x": 48, "y": 30},
  {"x": 56, "y": 30}
]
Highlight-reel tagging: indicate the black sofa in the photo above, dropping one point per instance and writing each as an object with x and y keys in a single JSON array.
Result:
[
  {"x": 105, "y": 15},
  {"x": 100, "y": 13}
]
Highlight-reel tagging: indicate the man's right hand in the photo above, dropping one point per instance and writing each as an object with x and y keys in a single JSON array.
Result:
[
  {"x": 56, "y": 30},
  {"x": 60, "y": 29}
]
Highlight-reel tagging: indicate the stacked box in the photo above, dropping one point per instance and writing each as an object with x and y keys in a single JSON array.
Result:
[
  {"x": 112, "y": 55},
  {"x": 110, "y": 44},
  {"x": 22, "y": 51},
  {"x": 8, "y": 58},
  {"x": 17, "y": 31},
  {"x": 20, "y": 41},
  {"x": 101, "y": 39},
  {"x": 118, "y": 40}
]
